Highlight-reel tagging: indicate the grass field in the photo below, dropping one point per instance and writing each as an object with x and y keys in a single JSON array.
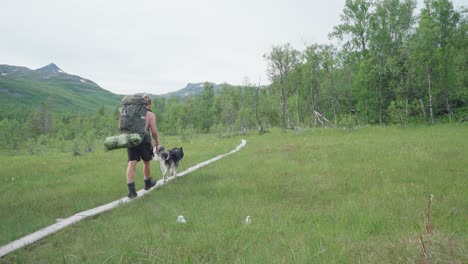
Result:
[{"x": 319, "y": 196}]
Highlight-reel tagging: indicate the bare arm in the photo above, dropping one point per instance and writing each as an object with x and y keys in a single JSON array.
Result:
[{"x": 152, "y": 125}]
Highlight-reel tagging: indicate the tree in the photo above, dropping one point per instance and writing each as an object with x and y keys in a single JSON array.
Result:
[
  {"x": 246, "y": 113},
  {"x": 226, "y": 103},
  {"x": 294, "y": 81},
  {"x": 42, "y": 122},
  {"x": 171, "y": 119},
  {"x": 437, "y": 26},
  {"x": 391, "y": 26},
  {"x": 11, "y": 133},
  {"x": 460, "y": 78},
  {"x": 354, "y": 34},
  {"x": 207, "y": 103},
  {"x": 355, "y": 26},
  {"x": 313, "y": 78},
  {"x": 101, "y": 111},
  {"x": 159, "y": 109},
  {"x": 260, "y": 127},
  {"x": 281, "y": 60}
]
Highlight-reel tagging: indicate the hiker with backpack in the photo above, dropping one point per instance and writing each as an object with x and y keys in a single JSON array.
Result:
[{"x": 136, "y": 117}]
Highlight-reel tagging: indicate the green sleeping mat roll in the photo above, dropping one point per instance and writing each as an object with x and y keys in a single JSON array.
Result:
[{"x": 123, "y": 141}]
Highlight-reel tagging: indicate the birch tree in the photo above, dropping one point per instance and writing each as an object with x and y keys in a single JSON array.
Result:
[{"x": 281, "y": 60}]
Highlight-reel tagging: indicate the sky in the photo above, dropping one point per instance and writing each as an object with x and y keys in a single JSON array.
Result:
[{"x": 153, "y": 46}]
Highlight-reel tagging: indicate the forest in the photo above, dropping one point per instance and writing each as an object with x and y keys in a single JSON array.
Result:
[{"x": 392, "y": 65}]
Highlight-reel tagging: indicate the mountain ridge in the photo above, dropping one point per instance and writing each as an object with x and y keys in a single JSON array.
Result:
[
  {"x": 22, "y": 90},
  {"x": 192, "y": 89}
]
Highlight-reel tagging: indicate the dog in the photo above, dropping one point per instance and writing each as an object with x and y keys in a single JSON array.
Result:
[{"x": 168, "y": 160}]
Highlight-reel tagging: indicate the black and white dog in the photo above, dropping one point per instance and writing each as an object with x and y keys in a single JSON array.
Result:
[{"x": 168, "y": 160}]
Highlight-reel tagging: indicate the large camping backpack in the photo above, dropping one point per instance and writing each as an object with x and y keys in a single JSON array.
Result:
[{"x": 132, "y": 114}]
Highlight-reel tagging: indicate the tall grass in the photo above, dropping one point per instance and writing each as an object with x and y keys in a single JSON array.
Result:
[{"x": 320, "y": 196}]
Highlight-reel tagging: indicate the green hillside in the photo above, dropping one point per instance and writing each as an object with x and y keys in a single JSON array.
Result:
[{"x": 23, "y": 90}]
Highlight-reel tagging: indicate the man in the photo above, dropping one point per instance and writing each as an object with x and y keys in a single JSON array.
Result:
[{"x": 143, "y": 151}]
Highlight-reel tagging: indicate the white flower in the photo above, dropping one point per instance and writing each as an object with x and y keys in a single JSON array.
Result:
[
  {"x": 248, "y": 221},
  {"x": 181, "y": 219}
]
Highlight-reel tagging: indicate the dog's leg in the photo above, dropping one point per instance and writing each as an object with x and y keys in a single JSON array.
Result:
[
  {"x": 162, "y": 166},
  {"x": 173, "y": 170},
  {"x": 166, "y": 172}
]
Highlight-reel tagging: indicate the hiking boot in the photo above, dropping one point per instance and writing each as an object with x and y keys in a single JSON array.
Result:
[
  {"x": 131, "y": 190},
  {"x": 149, "y": 183}
]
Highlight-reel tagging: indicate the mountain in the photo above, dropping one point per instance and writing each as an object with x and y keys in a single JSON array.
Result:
[
  {"x": 22, "y": 90},
  {"x": 193, "y": 89},
  {"x": 51, "y": 68}
]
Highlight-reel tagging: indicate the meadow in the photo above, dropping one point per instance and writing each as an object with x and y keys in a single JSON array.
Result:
[{"x": 316, "y": 196}]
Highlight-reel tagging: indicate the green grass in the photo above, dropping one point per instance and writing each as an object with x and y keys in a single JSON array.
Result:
[{"x": 320, "y": 196}]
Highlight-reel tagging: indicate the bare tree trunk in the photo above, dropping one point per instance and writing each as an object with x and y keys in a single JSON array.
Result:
[
  {"x": 298, "y": 121},
  {"x": 334, "y": 98},
  {"x": 367, "y": 112},
  {"x": 257, "y": 99},
  {"x": 406, "y": 109},
  {"x": 380, "y": 93},
  {"x": 334, "y": 113},
  {"x": 423, "y": 109},
  {"x": 448, "y": 108},
  {"x": 316, "y": 105},
  {"x": 407, "y": 95},
  {"x": 283, "y": 108},
  {"x": 242, "y": 102},
  {"x": 333, "y": 101},
  {"x": 322, "y": 119},
  {"x": 290, "y": 125},
  {"x": 429, "y": 79},
  {"x": 314, "y": 98},
  {"x": 312, "y": 104},
  {"x": 308, "y": 113}
]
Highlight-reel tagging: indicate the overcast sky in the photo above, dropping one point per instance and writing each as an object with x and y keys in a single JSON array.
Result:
[{"x": 159, "y": 46}]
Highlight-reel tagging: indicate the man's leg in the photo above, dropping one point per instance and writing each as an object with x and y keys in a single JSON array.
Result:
[
  {"x": 131, "y": 171},
  {"x": 131, "y": 178},
  {"x": 149, "y": 183},
  {"x": 147, "y": 169}
]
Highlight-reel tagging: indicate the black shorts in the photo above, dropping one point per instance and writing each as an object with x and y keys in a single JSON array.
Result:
[{"x": 144, "y": 151}]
